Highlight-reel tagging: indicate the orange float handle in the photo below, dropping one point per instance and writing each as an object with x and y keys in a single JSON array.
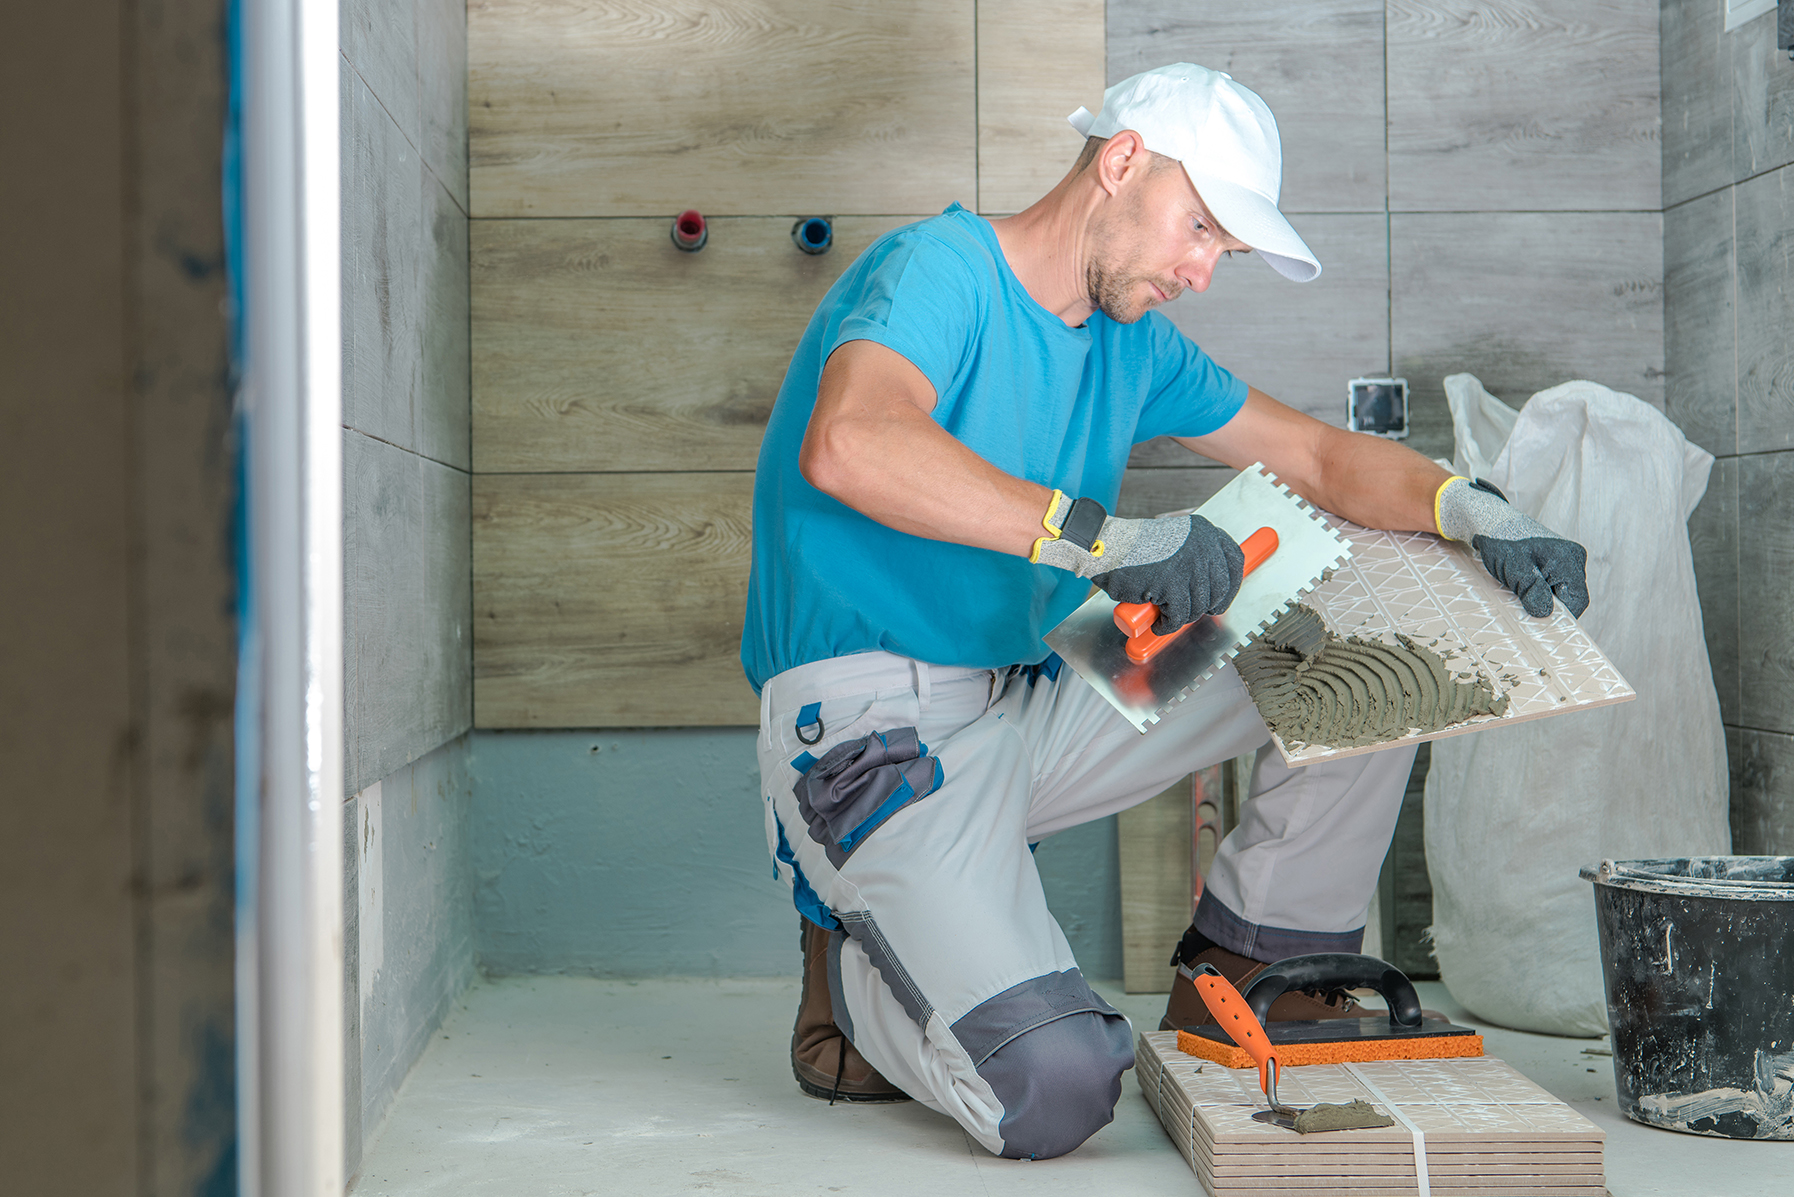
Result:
[
  {"x": 1136, "y": 619},
  {"x": 1236, "y": 1018}
]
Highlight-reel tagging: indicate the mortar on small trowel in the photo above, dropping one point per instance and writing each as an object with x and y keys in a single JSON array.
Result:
[
  {"x": 1234, "y": 1016},
  {"x": 1356, "y": 1114}
]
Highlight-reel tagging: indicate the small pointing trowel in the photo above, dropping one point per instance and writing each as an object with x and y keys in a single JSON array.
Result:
[
  {"x": 1288, "y": 547},
  {"x": 1236, "y": 1018}
]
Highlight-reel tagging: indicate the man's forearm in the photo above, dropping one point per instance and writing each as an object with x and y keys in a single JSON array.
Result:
[
  {"x": 1371, "y": 481},
  {"x": 1378, "y": 483},
  {"x": 892, "y": 463}
]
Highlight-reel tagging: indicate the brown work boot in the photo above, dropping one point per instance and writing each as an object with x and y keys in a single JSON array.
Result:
[
  {"x": 824, "y": 1063},
  {"x": 1185, "y": 1007}
]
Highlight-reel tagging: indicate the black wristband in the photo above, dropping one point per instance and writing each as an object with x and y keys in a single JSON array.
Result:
[{"x": 1083, "y": 524}]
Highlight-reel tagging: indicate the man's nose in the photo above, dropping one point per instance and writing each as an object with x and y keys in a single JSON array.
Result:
[{"x": 1199, "y": 268}]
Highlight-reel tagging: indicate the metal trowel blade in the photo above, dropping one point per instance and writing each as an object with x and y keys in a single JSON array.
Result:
[
  {"x": 1354, "y": 1115},
  {"x": 1092, "y": 645}
]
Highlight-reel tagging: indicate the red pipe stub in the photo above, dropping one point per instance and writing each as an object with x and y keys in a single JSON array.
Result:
[{"x": 690, "y": 230}]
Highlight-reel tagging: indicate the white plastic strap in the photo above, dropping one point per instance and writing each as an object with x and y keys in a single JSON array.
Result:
[{"x": 1395, "y": 1111}]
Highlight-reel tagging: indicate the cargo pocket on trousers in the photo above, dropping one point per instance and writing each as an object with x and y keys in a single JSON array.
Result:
[{"x": 858, "y": 784}]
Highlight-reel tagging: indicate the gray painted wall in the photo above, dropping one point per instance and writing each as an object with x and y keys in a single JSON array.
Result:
[
  {"x": 408, "y": 668},
  {"x": 633, "y": 853},
  {"x": 1728, "y": 248}
]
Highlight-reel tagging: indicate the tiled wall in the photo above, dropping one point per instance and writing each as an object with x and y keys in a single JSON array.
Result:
[
  {"x": 408, "y": 671},
  {"x": 1728, "y": 251},
  {"x": 1479, "y": 180}
]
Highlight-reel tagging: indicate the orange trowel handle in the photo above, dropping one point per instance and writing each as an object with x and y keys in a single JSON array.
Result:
[
  {"x": 1136, "y": 619},
  {"x": 1236, "y": 1018}
]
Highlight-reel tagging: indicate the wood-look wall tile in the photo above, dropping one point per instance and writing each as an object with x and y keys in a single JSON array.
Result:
[
  {"x": 1766, "y": 591},
  {"x": 1523, "y": 105},
  {"x": 1765, "y": 256},
  {"x": 379, "y": 41},
  {"x": 1700, "y": 389},
  {"x": 443, "y": 407},
  {"x": 383, "y": 249},
  {"x": 1153, "y": 847},
  {"x": 648, "y": 107},
  {"x": 1317, "y": 63},
  {"x": 1697, "y": 99},
  {"x": 1524, "y": 301},
  {"x": 1713, "y": 537},
  {"x": 611, "y": 600},
  {"x": 442, "y": 92},
  {"x": 1762, "y": 100},
  {"x": 1150, "y": 491},
  {"x": 1038, "y": 60},
  {"x": 1300, "y": 343},
  {"x": 1763, "y": 810},
  {"x": 406, "y": 567},
  {"x": 598, "y": 345}
]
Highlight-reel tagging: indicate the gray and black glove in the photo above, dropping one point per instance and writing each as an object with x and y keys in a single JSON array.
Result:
[
  {"x": 1524, "y": 555},
  {"x": 1181, "y": 563}
]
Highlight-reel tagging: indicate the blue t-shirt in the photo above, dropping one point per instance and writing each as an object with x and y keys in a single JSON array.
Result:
[{"x": 1056, "y": 405}]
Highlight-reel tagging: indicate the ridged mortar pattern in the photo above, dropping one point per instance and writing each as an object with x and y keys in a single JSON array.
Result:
[{"x": 1355, "y": 691}]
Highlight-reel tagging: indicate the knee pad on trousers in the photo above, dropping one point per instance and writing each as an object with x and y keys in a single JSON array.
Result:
[{"x": 1059, "y": 1082}]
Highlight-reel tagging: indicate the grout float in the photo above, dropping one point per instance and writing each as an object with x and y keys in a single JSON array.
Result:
[{"x": 1354, "y": 691}]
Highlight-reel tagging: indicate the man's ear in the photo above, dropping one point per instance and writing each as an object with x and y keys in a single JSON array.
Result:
[{"x": 1123, "y": 158}]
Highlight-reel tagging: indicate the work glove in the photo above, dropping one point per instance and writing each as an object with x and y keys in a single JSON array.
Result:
[
  {"x": 1181, "y": 563},
  {"x": 1524, "y": 555}
]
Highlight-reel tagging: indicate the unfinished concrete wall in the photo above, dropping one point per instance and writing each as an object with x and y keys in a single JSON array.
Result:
[
  {"x": 1728, "y": 249},
  {"x": 116, "y": 489},
  {"x": 642, "y": 852},
  {"x": 407, "y": 567}
]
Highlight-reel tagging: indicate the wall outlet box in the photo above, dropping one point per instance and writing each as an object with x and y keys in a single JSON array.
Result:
[
  {"x": 1739, "y": 11},
  {"x": 1378, "y": 406}
]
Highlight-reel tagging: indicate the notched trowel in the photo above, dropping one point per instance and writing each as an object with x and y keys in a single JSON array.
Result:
[{"x": 1288, "y": 548}]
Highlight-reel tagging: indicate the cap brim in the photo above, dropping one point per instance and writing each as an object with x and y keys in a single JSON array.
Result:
[{"x": 1256, "y": 221}]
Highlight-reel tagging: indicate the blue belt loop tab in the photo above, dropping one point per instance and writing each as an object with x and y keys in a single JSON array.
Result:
[{"x": 810, "y": 716}]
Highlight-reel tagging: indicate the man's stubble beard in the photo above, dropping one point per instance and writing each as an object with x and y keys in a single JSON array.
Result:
[{"x": 1113, "y": 288}]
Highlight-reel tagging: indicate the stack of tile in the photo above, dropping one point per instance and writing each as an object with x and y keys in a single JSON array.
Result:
[{"x": 1485, "y": 1129}]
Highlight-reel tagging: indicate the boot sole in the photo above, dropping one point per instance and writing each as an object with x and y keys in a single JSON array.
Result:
[{"x": 827, "y": 1092}]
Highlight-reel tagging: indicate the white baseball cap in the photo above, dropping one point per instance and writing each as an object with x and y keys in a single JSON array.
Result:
[{"x": 1226, "y": 139}]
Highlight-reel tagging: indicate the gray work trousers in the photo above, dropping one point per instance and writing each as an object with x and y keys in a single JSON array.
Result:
[{"x": 901, "y": 799}]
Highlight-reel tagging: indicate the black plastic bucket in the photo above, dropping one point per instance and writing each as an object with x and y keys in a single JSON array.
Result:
[{"x": 1699, "y": 960}]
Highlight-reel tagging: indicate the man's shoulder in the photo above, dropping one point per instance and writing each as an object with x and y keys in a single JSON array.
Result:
[{"x": 952, "y": 240}]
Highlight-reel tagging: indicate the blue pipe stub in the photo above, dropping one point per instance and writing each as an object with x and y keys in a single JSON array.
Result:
[{"x": 814, "y": 234}]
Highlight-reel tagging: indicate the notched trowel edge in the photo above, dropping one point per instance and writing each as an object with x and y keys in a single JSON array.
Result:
[{"x": 1096, "y": 649}]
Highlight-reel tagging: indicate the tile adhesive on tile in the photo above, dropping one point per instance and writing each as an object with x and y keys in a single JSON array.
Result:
[
  {"x": 1412, "y": 639},
  {"x": 1353, "y": 691}
]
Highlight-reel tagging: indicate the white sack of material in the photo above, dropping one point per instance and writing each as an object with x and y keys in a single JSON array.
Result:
[{"x": 1512, "y": 814}]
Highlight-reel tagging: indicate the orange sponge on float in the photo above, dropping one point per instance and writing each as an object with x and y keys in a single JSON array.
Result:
[
  {"x": 1405, "y": 1033},
  {"x": 1382, "y": 1046}
]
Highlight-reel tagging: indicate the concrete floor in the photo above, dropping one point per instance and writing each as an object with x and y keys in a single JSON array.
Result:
[{"x": 545, "y": 1086}]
